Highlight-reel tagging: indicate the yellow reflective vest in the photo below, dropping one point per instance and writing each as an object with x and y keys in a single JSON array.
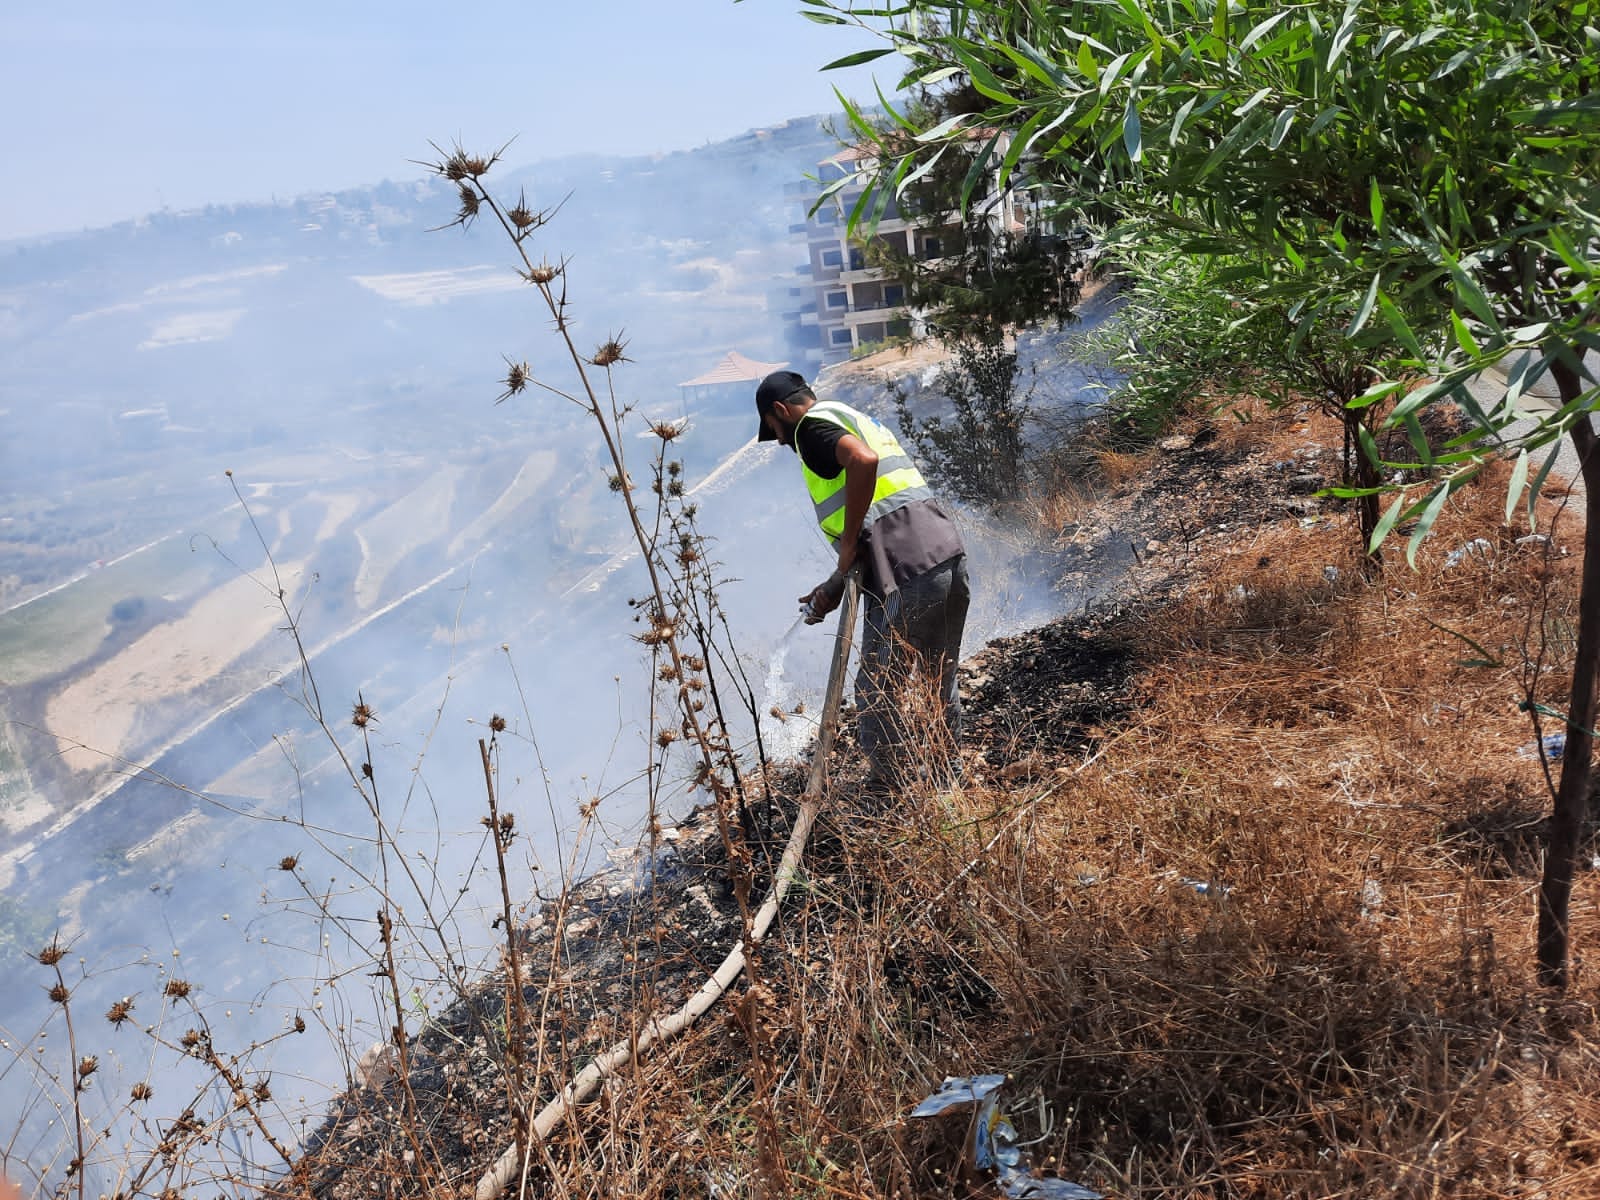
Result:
[{"x": 899, "y": 481}]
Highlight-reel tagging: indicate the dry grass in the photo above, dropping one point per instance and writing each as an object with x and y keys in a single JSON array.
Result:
[{"x": 1347, "y": 1010}]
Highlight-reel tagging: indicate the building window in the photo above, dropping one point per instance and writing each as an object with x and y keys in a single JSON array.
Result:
[
  {"x": 858, "y": 260},
  {"x": 894, "y": 295},
  {"x": 832, "y": 258},
  {"x": 839, "y": 300},
  {"x": 931, "y": 247},
  {"x": 839, "y": 337}
]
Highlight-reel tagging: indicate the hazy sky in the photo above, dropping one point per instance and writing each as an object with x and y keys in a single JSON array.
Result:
[{"x": 116, "y": 109}]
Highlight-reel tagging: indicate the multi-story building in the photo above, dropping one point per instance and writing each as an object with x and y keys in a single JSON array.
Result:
[{"x": 851, "y": 303}]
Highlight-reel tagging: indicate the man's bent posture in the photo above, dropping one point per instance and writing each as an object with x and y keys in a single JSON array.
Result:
[{"x": 875, "y": 508}]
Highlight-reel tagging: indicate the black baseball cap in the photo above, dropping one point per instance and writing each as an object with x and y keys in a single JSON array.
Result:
[{"x": 779, "y": 385}]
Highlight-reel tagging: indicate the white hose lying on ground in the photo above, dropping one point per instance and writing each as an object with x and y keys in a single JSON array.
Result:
[{"x": 511, "y": 1163}]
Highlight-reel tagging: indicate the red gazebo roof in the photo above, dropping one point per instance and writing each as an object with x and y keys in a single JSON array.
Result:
[{"x": 734, "y": 368}]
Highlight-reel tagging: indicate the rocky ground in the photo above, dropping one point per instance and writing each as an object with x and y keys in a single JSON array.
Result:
[{"x": 644, "y": 934}]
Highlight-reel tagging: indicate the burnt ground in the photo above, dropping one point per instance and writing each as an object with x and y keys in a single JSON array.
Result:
[{"x": 643, "y": 935}]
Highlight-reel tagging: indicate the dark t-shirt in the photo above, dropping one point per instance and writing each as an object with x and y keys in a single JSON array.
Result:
[
  {"x": 818, "y": 444},
  {"x": 898, "y": 546}
]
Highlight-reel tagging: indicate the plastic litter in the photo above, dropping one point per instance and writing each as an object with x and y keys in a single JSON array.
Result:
[
  {"x": 1555, "y": 745},
  {"x": 1478, "y": 547},
  {"x": 994, "y": 1139},
  {"x": 1204, "y": 887},
  {"x": 1371, "y": 898}
]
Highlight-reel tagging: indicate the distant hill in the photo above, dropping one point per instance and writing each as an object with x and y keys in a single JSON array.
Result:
[{"x": 136, "y": 361}]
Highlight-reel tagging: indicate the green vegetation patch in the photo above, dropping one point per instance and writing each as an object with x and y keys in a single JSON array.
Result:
[{"x": 53, "y": 633}]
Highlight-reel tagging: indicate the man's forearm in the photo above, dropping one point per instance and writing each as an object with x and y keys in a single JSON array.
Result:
[{"x": 859, "y": 485}]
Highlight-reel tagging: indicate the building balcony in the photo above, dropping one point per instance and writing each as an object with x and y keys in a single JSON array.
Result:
[{"x": 862, "y": 314}]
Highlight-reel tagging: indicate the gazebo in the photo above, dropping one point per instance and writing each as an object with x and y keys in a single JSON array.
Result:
[{"x": 735, "y": 372}]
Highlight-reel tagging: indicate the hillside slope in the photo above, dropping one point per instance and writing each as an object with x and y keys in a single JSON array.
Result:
[{"x": 1238, "y": 893}]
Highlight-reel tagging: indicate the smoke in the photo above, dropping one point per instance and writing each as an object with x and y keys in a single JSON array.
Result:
[{"x": 441, "y": 558}]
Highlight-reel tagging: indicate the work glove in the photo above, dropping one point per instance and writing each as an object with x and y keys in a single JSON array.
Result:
[{"x": 823, "y": 599}]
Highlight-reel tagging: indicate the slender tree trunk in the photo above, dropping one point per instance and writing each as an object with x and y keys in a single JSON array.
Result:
[
  {"x": 1572, "y": 797},
  {"x": 1362, "y": 472}
]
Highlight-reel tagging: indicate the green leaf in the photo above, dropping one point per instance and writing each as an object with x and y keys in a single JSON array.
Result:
[
  {"x": 1365, "y": 311},
  {"x": 1252, "y": 102},
  {"x": 922, "y": 170},
  {"x": 1280, "y": 127},
  {"x": 1375, "y": 204},
  {"x": 978, "y": 169},
  {"x": 1514, "y": 486},
  {"x": 944, "y": 127},
  {"x": 1243, "y": 135},
  {"x": 1386, "y": 523},
  {"x": 894, "y": 113},
  {"x": 1087, "y": 63},
  {"x": 1456, "y": 59},
  {"x": 1321, "y": 122},
  {"x": 1418, "y": 439},
  {"x": 1464, "y": 338},
  {"x": 1378, "y": 391},
  {"x": 1132, "y": 132},
  {"x": 1368, "y": 444},
  {"x": 856, "y": 59},
  {"x": 1261, "y": 30},
  {"x": 1179, "y": 118},
  {"x": 1430, "y": 514},
  {"x": 1401, "y": 328},
  {"x": 1538, "y": 480},
  {"x": 1342, "y": 35},
  {"x": 1557, "y": 113},
  {"x": 1034, "y": 63},
  {"x": 938, "y": 76},
  {"x": 1471, "y": 294}
]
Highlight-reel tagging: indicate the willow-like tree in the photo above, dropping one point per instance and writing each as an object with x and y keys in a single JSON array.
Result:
[{"x": 1420, "y": 177}]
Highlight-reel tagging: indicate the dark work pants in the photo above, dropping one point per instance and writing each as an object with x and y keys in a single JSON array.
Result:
[{"x": 909, "y": 647}]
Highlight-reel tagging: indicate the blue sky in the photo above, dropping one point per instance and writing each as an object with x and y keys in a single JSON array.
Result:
[{"x": 116, "y": 109}]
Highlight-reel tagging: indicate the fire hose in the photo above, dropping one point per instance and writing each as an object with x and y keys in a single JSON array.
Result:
[{"x": 513, "y": 1162}]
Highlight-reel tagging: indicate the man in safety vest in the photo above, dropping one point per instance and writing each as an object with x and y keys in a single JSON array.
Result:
[{"x": 875, "y": 508}]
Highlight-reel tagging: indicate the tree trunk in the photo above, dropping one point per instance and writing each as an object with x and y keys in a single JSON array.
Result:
[
  {"x": 1572, "y": 797},
  {"x": 1362, "y": 472}
]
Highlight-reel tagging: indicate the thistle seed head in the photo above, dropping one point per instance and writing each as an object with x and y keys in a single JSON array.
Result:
[
  {"x": 52, "y": 954},
  {"x": 543, "y": 273},
  {"x": 59, "y": 993},
  {"x": 523, "y": 217},
  {"x": 458, "y": 164},
  {"x": 87, "y": 1066},
  {"x": 141, "y": 1091},
  {"x": 517, "y": 376},
  {"x": 362, "y": 715},
  {"x": 288, "y": 862},
  {"x": 497, "y": 724},
  {"x": 666, "y": 737},
  {"x": 177, "y": 988},
  {"x": 118, "y": 1012},
  {"x": 610, "y": 352}
]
